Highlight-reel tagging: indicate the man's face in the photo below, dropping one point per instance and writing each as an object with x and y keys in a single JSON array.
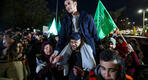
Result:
[
  {"x": 75, "y": 44},
  {"x": 70, "y": 6},
  {"x": 111, "y": 45},
  {"x": 109, "y": 70}
]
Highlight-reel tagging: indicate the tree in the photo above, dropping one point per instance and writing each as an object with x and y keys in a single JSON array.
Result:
[
  {"x": 36, "y": 12},
  {"x": 24, "y": 13}
]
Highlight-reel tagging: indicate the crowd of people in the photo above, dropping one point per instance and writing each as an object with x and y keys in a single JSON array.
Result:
[
  {"x": 76, "y": 53},
  {"x": 27, "y": 55}
]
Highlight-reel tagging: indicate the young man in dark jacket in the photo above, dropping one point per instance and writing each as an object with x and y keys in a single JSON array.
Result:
[{"x": 75, "y": 21}]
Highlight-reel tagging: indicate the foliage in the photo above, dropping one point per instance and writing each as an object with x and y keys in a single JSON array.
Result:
[{"x": 24, "y": 13}]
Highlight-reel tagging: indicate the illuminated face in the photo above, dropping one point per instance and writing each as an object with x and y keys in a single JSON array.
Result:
[
  {"x": 6, "y": 40},
  {"x": 26, "y": 42},
  {"x": 20, "y": 48},
  {"x": 70, "y": 6},
  {"x": 111, "y": 45},
  {"x": 109, "y": 70},
  {"x": 48, "y": 49},
  {"x": 75, "y": 44}
]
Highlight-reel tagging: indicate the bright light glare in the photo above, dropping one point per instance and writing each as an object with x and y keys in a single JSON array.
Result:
[
  {"x": 146, "y": 19},
  {"x": 140, "y": 11},
  {"x": 147, "y": 9}
]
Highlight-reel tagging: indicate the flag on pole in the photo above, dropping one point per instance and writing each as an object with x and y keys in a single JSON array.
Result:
[
  {"x": 103, "y": 21},
  {"x": 58, "y": 25},
  {"x": 52, "y": 28}
]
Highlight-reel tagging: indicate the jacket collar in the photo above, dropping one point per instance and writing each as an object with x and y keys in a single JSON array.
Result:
[{"x": 82, "y": 15}]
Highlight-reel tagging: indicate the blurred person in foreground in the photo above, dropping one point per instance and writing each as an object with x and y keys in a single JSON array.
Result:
[{"x": 111, "y": 67}]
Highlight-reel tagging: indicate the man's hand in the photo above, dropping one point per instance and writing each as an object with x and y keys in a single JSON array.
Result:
[
  {"x": 77, "y": 70},
  {"x": 57, "y": 59},
  {"x": 52, "y": 57}
]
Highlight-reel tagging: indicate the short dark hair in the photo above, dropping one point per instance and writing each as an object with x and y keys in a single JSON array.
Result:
[
  {"x": 112, "y": 55},
  {"x": 73, "y": 0},
  {"x": 75, "y": 36},
  {"x": 109, "y": 55}
]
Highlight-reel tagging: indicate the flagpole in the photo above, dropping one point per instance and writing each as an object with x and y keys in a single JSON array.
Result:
[
  {"x": 56, "y": 11},
  {"x": 121, "y": 35}
]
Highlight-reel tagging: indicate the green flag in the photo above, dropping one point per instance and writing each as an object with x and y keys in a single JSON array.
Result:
[
  {"x": 103, "y": 21},
  {"x": 58, "y": 25},
  {"x": 52, "y": 28}
]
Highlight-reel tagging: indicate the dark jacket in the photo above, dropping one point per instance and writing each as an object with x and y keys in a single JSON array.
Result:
[
  {"x": 76, "y": 60},
  {"x": 87, "y": 31}
]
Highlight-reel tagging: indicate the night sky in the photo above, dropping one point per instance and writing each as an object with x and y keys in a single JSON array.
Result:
[{"x": 90, "y": 6}]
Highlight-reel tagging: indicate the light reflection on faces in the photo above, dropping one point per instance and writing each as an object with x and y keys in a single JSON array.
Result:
[
  {"x": 70, "y": 6},
  {"x": 20, "y": 48},
  {"x": 75, "y": 44},
  {"x": 48, "y": 49},
  {"x": 109, "y": 70}
]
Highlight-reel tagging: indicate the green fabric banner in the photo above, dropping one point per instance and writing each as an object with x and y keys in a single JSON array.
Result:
[{"x": 103, "y": 21}]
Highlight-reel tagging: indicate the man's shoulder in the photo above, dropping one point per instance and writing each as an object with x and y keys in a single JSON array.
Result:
[
  {"x": 85, "y": 15},
  {"x": 67, "y": 15}
]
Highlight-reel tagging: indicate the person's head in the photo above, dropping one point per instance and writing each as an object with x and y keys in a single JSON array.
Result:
[
  {"x": 25, "y": 41},
  {"x": 20, "y": 47},
  {"x": 47, "y": 48},
  {"x": 119, "y": 40},
  {"x": 110, "y": 65},
  {"x": 71, "y": 6},
  {"x": 75, "y": 41},
  {"x": 7, "y": 39},
  {"x": 111, "y": 43}
]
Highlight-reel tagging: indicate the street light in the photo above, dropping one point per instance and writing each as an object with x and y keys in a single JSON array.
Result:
[
  {"x": 147, "y": 9},
  {"x": 143, "y": 11},
  {"x": 140, "y": 11},
  {"x": 146, "y": 19}
]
